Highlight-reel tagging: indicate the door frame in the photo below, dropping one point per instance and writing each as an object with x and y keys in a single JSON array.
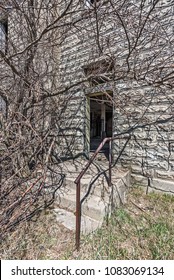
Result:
[{"x": 87, "y": 120}]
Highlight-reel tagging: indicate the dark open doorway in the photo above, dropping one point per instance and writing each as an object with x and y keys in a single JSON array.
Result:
[{"x": 101, "y": 113}]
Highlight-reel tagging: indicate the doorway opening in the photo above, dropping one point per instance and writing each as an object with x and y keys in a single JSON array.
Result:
[{"x": 101, "y": 115}]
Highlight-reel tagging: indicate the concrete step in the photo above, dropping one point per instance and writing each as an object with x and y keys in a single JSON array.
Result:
[
  {"x": 68, "y": 220},
  {"x": 89, "y": 184},
  {"x": 99, "y": 186},
  {"x": 99, "y": 199},
  {"x": 93, "y": 206},
  {"x": 101, "y": 156},
  {"x": 74, "y": 168}
]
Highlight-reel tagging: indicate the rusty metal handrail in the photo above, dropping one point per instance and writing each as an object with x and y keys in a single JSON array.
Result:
[{"x": 77, "y": 181}]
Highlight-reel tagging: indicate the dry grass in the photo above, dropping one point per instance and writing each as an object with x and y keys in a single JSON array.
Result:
[
  {"x": 39, "y": 239},
  {"x": 142, "y": 229}
]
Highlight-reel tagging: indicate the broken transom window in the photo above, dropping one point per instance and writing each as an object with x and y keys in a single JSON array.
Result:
[
  {"x": 99, "y": 72},
  {"x": 89, "y": 3}
]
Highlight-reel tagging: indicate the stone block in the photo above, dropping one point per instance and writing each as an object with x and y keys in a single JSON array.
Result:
[{"x": 162, "y": 186}]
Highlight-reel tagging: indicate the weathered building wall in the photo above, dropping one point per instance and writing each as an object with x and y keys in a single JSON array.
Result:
[
  {"x": 87, "y": 35},
  {"x": 78, "y": 50},
  {"x": 149, "y": 153},
  {"x": 140, "y": 108}
]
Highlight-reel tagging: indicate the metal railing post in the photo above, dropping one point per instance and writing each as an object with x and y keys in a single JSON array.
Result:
[
  {"x": 78, "y": 215},
  {"x": 110, "y": 163}
]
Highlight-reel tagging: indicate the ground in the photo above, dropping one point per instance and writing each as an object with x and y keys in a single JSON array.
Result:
[{"x": 143, "y": 228}]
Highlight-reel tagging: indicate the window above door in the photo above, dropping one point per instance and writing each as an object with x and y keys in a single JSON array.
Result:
[{"x": 94, "y": 3}]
